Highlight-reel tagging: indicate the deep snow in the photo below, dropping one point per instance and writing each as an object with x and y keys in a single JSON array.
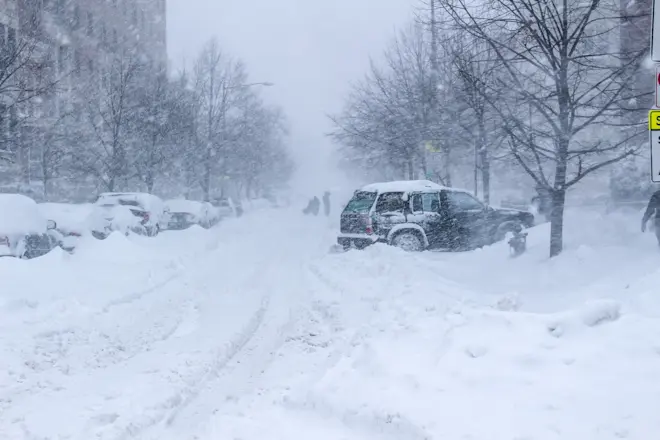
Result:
[{"x": 252, "y": 330}]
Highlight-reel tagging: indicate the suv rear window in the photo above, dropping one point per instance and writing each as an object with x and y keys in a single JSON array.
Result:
[
  {"x": 129, "y": 203},
  {"x": 361, "y": 202},
  {"x": 390, "y": 202}
]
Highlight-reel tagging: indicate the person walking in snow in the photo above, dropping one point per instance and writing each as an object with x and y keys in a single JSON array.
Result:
[
  {"x": 326, "y": 203},
  {"x": 313, "y": 207},
  {"x": 653, "y": 209},
  {"x": 316, "y": 205}
]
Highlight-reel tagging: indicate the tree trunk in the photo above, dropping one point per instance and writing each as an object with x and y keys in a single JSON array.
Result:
[
  {"x": 411, "y": 170},
  {"x": 446, "y": 159},
  {"x": 206, "y": 182},
  {"x": 484, "y": 159},
  {"x": 150, "y": 183},
  {"x": 557, "y": 222},
  {"x": 485, "y": 173},
  {"x": 422, "y": 157}
]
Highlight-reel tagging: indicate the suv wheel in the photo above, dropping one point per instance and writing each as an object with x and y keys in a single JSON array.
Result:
[{"x": 408, "y": 241}]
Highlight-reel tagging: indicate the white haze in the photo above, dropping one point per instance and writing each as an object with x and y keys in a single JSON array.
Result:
[{"x": 311, "y": 50}]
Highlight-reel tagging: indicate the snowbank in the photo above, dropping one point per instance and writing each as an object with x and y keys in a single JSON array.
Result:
[{"x": 69, "y": 217}]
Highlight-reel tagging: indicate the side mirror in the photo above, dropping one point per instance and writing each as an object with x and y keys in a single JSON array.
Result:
[{"x": 51, "y": 225}]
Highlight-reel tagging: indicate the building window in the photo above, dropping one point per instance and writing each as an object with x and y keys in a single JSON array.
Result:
[
  {"x": 76, "y": 17},
  {"x": 11, "y": 40},
  {"x": 76, "y": 62},
  {"x": 90, "y": 24},
  {"x": 62, "y": 55}
]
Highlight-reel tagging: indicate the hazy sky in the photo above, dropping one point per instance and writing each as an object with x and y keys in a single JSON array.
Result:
[{"x": 310, "y": 49}]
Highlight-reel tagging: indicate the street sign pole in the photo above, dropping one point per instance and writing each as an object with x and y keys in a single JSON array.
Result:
[
  {"x": 654, "y": 114},
  {"x": 655, "y": 32},
  {"x": 654, "y": 131}
]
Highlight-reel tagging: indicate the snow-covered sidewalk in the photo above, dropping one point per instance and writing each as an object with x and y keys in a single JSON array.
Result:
[{"x": 253, "y": 330}]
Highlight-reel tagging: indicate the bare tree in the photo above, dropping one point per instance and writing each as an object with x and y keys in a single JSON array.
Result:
[
  {"x": 158, "y": 127},
  {"x": 217, "y": 84},
  {"x": 26, "y": 74},
  {"x": 108, "y": 107},
  {"x": 392, "y": 114},
  {"x": 562, "y": 64},
  {"x": 477, "y": 70}
]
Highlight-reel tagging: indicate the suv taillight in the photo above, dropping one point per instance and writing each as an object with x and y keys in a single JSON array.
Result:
[
  {"x": 145, "y": 216},
  {"x": 369, "y": 229}
]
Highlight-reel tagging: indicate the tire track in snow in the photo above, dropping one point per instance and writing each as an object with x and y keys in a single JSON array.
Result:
[
  {"x": 242, "y": 372},
  {"x": 168, "y": 409}
]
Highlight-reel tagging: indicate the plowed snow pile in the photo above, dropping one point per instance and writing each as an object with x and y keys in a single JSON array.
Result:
[{"x": 253, "y": 331}]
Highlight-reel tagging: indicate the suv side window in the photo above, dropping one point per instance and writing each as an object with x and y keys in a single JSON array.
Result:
[
  {"x": 431, "y": 202},
  {"x": 460, "y": 201},
  {"x": 417, "y": 205},
  {"x": 390, "y": 202}
]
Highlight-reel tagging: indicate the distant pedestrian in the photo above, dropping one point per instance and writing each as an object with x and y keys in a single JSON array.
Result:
[
  {"x": 313, "y": 206},
  {"x": 316, "y": 205},
  {"x": 326, "y": 203},
  {"x": 653, "y": 210}
]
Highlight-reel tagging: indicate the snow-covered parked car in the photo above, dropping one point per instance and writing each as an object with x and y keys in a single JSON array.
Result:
[
  {"x": 139, "y": 213},
  {"x": 416, "y": 215},
  {"x": 224, "y": 207},
  {"x": 70, "y": 220},
  {"x": 182, "y": 214},
  {"x": 24, "y": 231}
]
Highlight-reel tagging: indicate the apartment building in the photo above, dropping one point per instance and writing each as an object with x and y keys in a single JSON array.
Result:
[
  {"x": 8, "y": 35},
  {"x": 74, "y": 44},
  {"x": 83, "y": 37}
]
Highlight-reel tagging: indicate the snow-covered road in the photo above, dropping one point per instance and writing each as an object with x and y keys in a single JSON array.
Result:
[{"x": 254, "y": 331}]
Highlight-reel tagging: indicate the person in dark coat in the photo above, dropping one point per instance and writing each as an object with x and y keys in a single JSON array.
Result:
[
  {"x": 315, "y": 205},
  {"x": 653, "y": 210},
  {"x": 326, "y": 203}
]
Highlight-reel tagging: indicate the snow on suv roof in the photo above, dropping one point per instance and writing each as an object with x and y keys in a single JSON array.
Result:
[{"x": 404, "y": 186}]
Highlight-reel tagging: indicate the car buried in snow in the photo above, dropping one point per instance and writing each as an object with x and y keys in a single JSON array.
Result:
[
  {"x": 419, "y": 215},
  {"x": 139, "y": 213},
  {"x": 183, "y": 214},
  {"x": 24, "y": 232}
]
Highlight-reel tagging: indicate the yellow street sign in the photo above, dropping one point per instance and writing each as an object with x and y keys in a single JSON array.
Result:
[
  {"x": 654, "y": 120},
  {"x": 431, "y": 148}
]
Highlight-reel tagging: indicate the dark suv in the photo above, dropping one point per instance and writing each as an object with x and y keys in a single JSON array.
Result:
[{"x": 417, "y": 215}]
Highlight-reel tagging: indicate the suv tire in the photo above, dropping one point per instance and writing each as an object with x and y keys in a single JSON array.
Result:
[{"x": 409, "y": 241}]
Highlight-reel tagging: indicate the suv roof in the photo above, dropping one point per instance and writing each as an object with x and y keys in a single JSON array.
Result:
[{"x": 404, "y": 186}]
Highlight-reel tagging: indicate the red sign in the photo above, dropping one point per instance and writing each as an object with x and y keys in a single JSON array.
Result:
[{"x": 657, "y": 87}]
